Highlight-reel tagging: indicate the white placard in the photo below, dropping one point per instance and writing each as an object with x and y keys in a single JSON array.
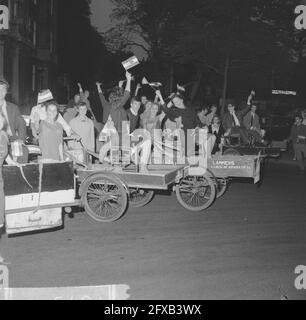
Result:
[{"x": 130, "y": 63}]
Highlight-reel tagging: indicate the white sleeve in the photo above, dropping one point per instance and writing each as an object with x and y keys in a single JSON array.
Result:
[{"x": 64, "y": 124}]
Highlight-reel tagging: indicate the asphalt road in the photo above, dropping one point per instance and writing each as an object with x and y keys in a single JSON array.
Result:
[{"x": 246, "y": 246}]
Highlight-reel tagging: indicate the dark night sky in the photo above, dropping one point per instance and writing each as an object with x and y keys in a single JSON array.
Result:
[{"x": 101, "y": 10}]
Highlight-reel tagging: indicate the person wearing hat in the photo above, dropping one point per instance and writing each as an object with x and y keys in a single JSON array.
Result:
[
  {"x": 39, "y": 113},
  {"x": 16, "y": 126}
]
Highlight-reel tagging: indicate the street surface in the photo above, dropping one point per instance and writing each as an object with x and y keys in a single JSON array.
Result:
[{"x": 246, "y": 246}]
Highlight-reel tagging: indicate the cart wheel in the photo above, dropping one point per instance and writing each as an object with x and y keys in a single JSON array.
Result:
[
  {"x": 105, "y": 198},
  {"x": 196, "y": 193},
  {"x": 140, "y": 197},
  {"x": 221, "y": 186}
]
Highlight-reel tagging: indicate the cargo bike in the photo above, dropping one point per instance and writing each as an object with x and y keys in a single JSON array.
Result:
[{"x": 37, "y": 192}]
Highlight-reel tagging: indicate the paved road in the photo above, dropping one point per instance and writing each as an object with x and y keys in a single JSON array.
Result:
[{"x": 245, "y": 247}]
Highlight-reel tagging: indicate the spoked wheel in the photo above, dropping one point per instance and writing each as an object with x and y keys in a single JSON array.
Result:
[
  {"x": 140, "y": 197},
  {"x": 196, "y": 193},
  {"x": 104, "y": 197},
  {"x": 221, "y": 186}
]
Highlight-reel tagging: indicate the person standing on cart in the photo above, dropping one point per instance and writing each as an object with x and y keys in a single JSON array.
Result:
[
  {"x": 115, "y": 115},
  {"x": 233, "y": 121},
  {"x": 252, "y": 123}
]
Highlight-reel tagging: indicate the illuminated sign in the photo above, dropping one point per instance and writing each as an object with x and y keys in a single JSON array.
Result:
[
  {"x": 283, "y": 92},
  {"x": 4, "y": 17}
]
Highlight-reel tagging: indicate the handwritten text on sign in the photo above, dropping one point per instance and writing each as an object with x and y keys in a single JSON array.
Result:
[{"x": 4, "y": 17}]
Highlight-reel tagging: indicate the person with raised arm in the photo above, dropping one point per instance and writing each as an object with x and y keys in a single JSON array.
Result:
[
  {"x": 115, "y": 115},
  {"x": 233, "y": 120},
  {"x": 115, "y": 106}
]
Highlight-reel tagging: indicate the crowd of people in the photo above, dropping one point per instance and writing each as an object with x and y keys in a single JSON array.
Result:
[{"x": 151, "y": 123}]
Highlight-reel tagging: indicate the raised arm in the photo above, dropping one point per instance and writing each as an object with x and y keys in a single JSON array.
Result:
[
  {"x": 104, "y": 102},
  {"x": 80, "y": 88},
  {"x": 21, "y": 126},
  {"x": 166, "y": 107},
  {"x": 137, "y": 89},
  {"x": 127, "y": 92}
]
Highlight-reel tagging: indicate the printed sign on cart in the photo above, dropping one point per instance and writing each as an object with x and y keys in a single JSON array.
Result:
[{"x": 4, "y": 17}]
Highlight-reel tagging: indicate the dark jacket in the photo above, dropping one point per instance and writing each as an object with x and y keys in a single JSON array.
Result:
[
  {"x": 228, "y": 120},
  {"x": 219, "y": 135},
  {"x": 297, "y": 131},
  {"x": 247, "y": 121},
  {"x": 117, "y": 111},
  {"x": 16, "y": 123},
  {"x": 134, "y": 120},
  {"x": 188, "y": 115}
]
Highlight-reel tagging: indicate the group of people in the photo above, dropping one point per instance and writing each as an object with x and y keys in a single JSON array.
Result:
[{"x": 149, "y": 123}]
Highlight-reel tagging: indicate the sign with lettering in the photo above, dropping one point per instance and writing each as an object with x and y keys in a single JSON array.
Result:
[
  {"x": 4, "y": 17},
  {"x": 284, "y": 92},
  {"x": 130, "y": 63}
]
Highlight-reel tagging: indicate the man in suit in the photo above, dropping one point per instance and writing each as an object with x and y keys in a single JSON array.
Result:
[
  {"x": 16, "y": 128},
  {"x": 216, "y": 129},
  {"x": 252, "y": 124},
  {"x": 233, "y": 121}
]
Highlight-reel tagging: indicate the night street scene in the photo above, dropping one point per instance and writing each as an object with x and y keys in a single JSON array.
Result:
[{"x": 153, "y": 150}]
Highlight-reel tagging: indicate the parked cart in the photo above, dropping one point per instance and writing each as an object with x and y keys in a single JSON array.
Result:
[{"x": 36, "y": 194}]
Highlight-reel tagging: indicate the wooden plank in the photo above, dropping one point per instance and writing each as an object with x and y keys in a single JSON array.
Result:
[
  {"x": 28, "y": 221},
  {"x": 159, "y": 177},
  {"x": 76, "y": 203}
]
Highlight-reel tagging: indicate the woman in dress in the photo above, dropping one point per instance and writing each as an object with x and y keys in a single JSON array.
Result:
[{"x": 51, "y": 135}]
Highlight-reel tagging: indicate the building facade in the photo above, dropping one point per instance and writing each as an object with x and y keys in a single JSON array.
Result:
[{"x": 28, "y": 47}]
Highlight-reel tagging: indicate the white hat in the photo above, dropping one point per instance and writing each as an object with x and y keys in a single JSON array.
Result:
[{"x": 44, "y": 96}]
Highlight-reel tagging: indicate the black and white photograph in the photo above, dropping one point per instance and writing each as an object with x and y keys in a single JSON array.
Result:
[{"x": 153, "y": 150}]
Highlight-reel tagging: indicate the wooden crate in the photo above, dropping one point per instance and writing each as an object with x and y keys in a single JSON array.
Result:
[{"x": 23, "y": 198}]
